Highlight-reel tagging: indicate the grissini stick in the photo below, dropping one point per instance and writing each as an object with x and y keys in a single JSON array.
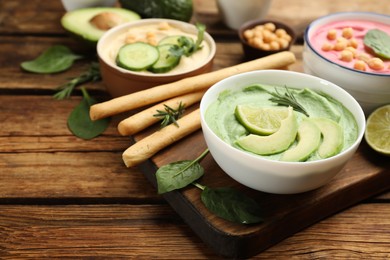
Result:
[
  {"x": 186, "y": 85},
  {"x": 150, "y": 145},
  {"x": 145, "y": 118}
]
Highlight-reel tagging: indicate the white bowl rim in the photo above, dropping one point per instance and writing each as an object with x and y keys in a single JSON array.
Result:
[
  {"x": 107, "y": 34},
  {"x": 338, "y": 14},
  {"x": 261, "y": 159}
]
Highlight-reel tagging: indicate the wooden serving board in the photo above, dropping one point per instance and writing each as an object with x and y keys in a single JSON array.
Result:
[{"x": 365, "y": 175}]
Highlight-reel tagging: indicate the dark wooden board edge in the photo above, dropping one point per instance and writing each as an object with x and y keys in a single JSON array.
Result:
[{"x": 245, "y": 246}]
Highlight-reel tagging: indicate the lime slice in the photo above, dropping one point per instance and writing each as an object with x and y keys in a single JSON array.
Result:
[
  {"x": 260, "y": 120},
  {"x": 378, "y": 130}
]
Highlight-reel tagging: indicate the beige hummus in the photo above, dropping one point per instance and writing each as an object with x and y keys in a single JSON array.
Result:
[{"x": 153, "y": 34}]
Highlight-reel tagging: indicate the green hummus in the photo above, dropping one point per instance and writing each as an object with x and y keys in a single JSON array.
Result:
[{"x": 221, "y": 119}]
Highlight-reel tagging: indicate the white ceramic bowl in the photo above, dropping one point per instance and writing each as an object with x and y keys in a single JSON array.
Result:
[
  {"x": 270, "y": 175},
  {"x": 370, "y": 89},
  {"x": 120, "y": 81}
]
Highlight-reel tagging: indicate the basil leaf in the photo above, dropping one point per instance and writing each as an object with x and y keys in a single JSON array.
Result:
[
  {"x": 379, "y": 42},
  {"x": 231, "y": 205},
  {"x": 80, "y": 123},
  {"x": 177, "y": 175},
  {"x": 55, "y": 59}
]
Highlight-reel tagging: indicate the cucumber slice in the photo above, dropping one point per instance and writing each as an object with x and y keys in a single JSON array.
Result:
[
  {"x": 184, "y": 42},
  {"x": 169, "y": 58},
  {"x": 137, "y": 56}
]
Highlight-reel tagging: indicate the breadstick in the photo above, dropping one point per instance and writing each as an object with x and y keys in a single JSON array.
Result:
[
  {"x": 150, "y": 145},
  {"x": 186, "y": 85},
  {"x": 145, "y": 118}
]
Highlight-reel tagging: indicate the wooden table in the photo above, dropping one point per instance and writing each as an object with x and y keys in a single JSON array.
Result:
[{"x": 63, "y": 197}]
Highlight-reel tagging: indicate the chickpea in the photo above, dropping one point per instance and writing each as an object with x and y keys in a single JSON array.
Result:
[
  {"x": 130, "y": 39},
  {"x": 164, "y": 26},
  {"x": 259, "y": 27},
  {"x": 376, "y": 64},
  {"x": 360, "y": 65},
  {"x": 346, "y": 55},
  {"x": 268, "y": 36},
  {"x": 280, "y": 32},
  {"x": 270, "y": 27},
  {"x": 332, "y": 34},
  {"x": 353, "y": 43},
  {"x": 363, "y": 56},
  {"x": 283, "y": 43},
  {"x": 248, "y": 34},
  {"x": 353, "y": 50},
  {"x": 327, "y": 46},
  {"x": 258, "y": 33},
  {"x": 265, "y": 46},
  {"x": 347, "y": 32},
  {"x": 340, "y": 45},
  {"x": 274, "y": 45},
  {"x": 287, "y": 37},
  {"x": 257, "y": 42}
]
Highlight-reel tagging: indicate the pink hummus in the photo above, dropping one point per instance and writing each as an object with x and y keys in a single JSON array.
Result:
[{"x": 360, "y": 28}]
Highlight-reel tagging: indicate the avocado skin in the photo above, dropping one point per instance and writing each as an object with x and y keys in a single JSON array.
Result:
[{"x": 172, "y": 9}]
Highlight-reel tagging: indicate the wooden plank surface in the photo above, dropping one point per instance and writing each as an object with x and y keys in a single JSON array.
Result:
[
  {"x": 62, "y": 197},
  {"x": 154, "y": 231}
]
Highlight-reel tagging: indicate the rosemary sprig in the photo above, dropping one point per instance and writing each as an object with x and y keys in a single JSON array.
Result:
[
  {"x": 287, "y": 99},
  {"x": 170, "y": 115},
  {"x": 92, "y": 74}
]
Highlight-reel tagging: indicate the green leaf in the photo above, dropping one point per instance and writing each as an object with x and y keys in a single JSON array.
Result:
[
  {"x": 201, "y": 29},
  {"x": 55, "y": 59},
  {"x": 379, "y": 42},
  {"x": 231, "y": 205},
  {"x": 178, "y": 175},
  {"x": 80, "y": 123}
]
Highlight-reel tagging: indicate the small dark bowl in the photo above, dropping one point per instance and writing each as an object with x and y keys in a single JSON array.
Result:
[{"x": 252, "y": 52}]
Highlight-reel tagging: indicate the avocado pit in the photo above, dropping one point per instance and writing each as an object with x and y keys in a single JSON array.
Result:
[{"x": 106, "y": 20}]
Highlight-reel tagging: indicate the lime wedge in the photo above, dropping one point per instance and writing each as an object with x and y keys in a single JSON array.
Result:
[
  {"x": 260, "y": 120},
  {"x": 377, "y": 132},
  {"x": 275, "y": 143}
]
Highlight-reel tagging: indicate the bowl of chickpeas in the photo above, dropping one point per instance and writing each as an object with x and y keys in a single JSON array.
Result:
[
  {"x": 260, "y": 38},
  {"x": 352, "y": 50}
]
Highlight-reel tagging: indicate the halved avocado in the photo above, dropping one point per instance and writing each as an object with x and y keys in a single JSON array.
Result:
[{"x": 90, "y": 24}]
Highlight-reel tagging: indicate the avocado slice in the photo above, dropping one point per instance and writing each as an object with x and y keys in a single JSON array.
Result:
[
  {"x": 274, "y": 143},
  {"x": 89, "y": 24},
  {"x": 172, "y": 9},
  {"x": 309, "y": 138},
  {"x": 332, "y": 137}
]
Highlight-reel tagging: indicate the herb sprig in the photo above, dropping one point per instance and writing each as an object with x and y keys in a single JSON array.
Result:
[
  {"x": 225, "y": 202},
  {"x": 170, "y": 115},
  {"x": 91, "y": 75},
  {"x": 287, "y": 99}
]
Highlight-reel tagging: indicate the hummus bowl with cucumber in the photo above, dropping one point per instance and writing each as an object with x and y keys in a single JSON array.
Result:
[
  {"x": 150, "y": 52},
  {"x": 280, "y": 131}
]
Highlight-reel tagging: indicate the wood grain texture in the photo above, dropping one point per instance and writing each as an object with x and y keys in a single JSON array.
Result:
[{"x": 155, "y": 231}]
